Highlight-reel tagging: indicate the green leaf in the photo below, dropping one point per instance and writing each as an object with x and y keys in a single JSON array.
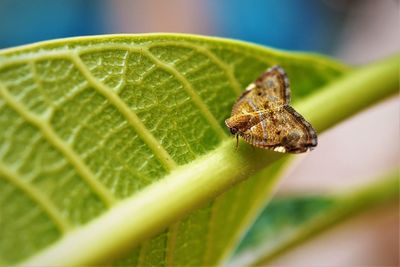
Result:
[
  {"x": 290, "y": 220},
  {"x": 106, "y": 141}
]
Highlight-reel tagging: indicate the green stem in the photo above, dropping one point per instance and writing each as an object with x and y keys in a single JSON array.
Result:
[
  {"x": 352, "y": 93},
  {"x": 346, "y": 206},
  {"x": 120, "y": 229}
]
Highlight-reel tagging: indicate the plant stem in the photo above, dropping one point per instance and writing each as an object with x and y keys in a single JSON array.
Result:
[{"x": 352, "y": 93}]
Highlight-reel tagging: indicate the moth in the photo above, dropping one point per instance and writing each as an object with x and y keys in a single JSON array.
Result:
[{"x": 263, "y": 117}]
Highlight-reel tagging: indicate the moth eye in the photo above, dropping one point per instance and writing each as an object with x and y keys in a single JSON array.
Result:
[{"x": 233, "y": 130}]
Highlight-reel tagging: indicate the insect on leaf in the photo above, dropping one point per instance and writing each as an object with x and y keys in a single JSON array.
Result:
[{"x": 263, "y": 117}]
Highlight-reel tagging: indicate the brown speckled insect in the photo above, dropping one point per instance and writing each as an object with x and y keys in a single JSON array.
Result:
[{"x": 262, "y": 116}]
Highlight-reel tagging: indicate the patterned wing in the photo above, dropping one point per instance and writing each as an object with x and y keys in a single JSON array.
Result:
[
  {"x": 269, "y": 91},
  {"x": 282, "y": 130}
]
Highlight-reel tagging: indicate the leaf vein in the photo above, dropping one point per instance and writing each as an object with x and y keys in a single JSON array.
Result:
[
  {"x": 192, "y": 93},
  {"x": 37, "y": 196},
  {"x": 163, "y": 156},
  {"x": 85, "y": 173},
  {"x": 142, "y": 253},
  {"x": 213, "y": 211},
  {"x": 171, "y": 243},
  {"x": 237, "y": 88},
  {"x": 186, "y": 85}
]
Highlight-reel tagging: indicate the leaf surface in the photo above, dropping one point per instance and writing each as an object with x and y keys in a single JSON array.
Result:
[{"x": 108, "y": 140}]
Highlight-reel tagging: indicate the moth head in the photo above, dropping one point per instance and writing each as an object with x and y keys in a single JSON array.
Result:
[{"x": 238, "y": 123}]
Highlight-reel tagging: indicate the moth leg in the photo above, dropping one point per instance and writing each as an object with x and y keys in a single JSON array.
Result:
[{"x": 237, "y": 142}]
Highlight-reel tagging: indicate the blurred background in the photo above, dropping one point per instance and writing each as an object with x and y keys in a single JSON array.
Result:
[{"x": 356, "y": 32}]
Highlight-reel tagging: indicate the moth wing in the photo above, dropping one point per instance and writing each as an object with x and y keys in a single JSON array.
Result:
[
  {"x": 270, "y": 90},
  {"x": 247, "y": 103},
  {"x": 282, "y": 130}
]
